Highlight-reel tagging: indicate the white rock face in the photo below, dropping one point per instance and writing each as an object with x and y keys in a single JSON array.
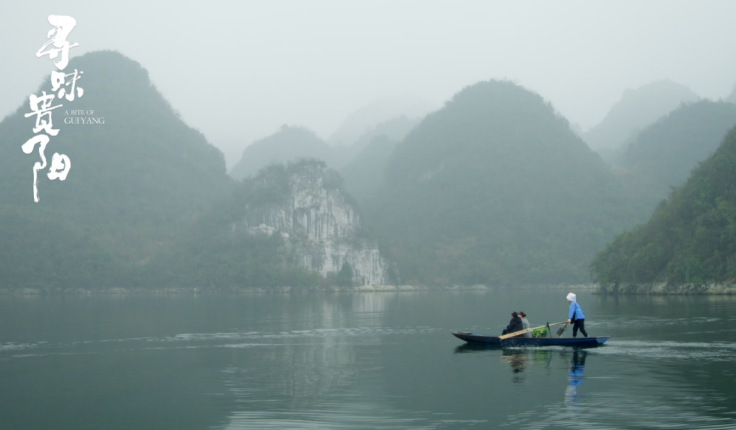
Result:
[{"x": 321, "y": 228}]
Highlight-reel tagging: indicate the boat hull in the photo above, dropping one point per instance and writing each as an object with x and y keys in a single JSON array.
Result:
[{"x": 532, "y": 341}]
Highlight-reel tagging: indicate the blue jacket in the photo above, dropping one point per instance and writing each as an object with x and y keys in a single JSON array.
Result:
[{"x": 575, "y": 310}]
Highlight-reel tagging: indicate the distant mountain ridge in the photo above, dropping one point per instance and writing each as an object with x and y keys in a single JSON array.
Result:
[
  {"x": 664, "y": 154},
  {"x": 290, "y": 144},
  {"x": 494, "y": 188},
  {"x": 732, "y": 97},
  {"x": 474, "y": 194},
  {"x": 365, "y": 175},
  {"x": 636, "y": 110},
  {"x": 395, "y": 129},
  {"x": 368, "y": 117},
  {"x": 287, "y": 144}
]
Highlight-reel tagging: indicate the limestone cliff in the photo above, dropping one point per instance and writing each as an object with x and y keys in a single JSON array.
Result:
[{"x": 318, "y": 222}]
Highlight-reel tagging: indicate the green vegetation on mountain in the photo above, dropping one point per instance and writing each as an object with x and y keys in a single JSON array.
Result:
[
  {"x": 664, "y": 154},
  {"x": 495, "y": 188},
  {"x": 136, "y": 183},
  {"x": 691, "y": 238},
  {"x": 345, "y": 276},
  {"x": 220, "y": 253},
  {"x": 214, "y": 257},
  {"x": 39, "y": 251}
]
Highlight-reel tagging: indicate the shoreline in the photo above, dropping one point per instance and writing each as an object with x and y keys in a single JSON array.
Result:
[
  {"x": 665, "y": 288},
  {"x": 276, "y": 290}
]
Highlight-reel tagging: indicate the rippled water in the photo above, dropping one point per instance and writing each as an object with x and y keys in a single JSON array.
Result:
[{"x": 361, "y": 361}]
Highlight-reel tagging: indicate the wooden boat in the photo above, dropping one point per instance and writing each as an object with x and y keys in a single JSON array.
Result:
[{"x": 531, "y": 341}]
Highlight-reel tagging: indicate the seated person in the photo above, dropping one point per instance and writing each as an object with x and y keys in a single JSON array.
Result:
[
  {"x": 514, "y": 325},
  {"x": 525, "y": 323}
]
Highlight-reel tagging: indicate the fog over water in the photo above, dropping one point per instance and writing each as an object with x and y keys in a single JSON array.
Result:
[{"x": 239, "y": 70}]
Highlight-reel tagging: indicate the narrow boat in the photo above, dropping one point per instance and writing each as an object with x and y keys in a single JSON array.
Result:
[{"x": 532, "y": 341}]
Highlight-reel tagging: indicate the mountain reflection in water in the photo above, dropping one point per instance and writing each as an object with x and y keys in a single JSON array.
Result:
[{"x": 361, "y": 361}]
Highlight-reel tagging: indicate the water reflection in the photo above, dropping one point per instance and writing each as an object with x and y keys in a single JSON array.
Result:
[
  {"x": 475, "y": 347},
  {"x": 371, "y": 303},
  {"x": 360, "y": 361},
  {"x": 576, "y": 375},
  {"x": 517, "y": 360},
  {"x": 305, "y": 366},
  {"x": 303, "y": 381}
]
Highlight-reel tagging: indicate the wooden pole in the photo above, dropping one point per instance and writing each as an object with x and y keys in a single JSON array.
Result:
[{"x": 527, "y": 330}]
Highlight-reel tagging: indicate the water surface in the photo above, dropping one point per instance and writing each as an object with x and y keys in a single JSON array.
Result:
[{"x": 361, "y": 361}]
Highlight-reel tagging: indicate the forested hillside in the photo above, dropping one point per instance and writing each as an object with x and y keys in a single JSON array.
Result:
[
  {"x": 496, "y": 188},
  {"x": 664, "y": 154},
  {"x": 264, "y": 233},
  {"x": 691, "y": 238},
  {"x": 212, "y": 256},
  {"x": 136, "y": 182}
]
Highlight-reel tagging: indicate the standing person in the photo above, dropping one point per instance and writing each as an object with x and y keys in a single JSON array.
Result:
[
  {"x": 514, "y": 325},
  {"x": 575, "y": 316},
  {"x": 525, "y": 323}
]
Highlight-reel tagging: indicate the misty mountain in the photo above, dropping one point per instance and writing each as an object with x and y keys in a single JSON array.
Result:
[
  {"x": 691, "y": 238},
  {"x": 664, "y": 154},
  {"x": 394, "y": 129},
  {"x": 368, "y": 117},
  {"x": 293, "y": 143},
  {"x": 365, "y": 175},
  {"x": 289, "y": 225},
  {"x": 637, "y": 109},
  {"x": 136, "y": 182},
  {"x": 732, "y": 97},
  {"x": 287, "y": 144},
  {"x": 496, "y": 188}
]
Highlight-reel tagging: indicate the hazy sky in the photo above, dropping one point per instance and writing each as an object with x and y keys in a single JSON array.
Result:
[{"x": 239, "y": 70}]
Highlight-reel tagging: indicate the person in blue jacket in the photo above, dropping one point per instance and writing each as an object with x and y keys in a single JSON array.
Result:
[{"x": 575, "y": 316}]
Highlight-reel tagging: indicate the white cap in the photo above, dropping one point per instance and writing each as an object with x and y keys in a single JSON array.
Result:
[{"x": 571, "y": 297}]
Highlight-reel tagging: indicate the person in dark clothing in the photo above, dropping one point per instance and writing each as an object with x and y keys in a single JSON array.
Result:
[{"x": 515, "y": 325}]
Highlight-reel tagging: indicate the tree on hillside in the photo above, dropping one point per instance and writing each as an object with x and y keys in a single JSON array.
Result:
[
  {"x": 691, "y": 238},
  {"x": 345, "y": 275}
]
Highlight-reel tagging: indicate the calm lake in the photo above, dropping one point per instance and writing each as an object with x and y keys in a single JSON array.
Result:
[{"x": 362, "y": 361}]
